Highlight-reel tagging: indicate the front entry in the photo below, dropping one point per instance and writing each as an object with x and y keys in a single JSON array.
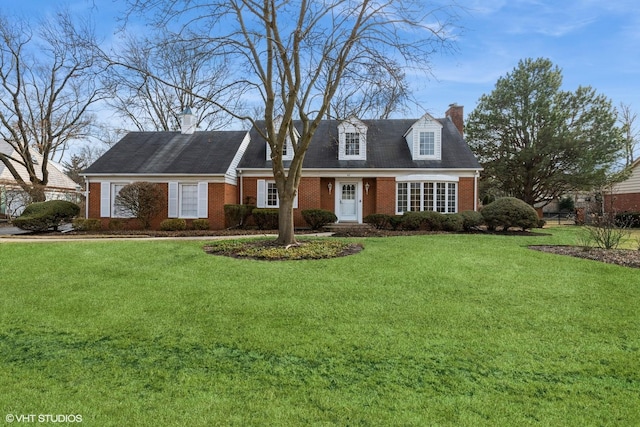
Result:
[{"x": 349, "y": 202}]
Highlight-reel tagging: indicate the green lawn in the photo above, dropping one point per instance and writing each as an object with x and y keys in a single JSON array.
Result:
[{"x": 460, "y": 330}]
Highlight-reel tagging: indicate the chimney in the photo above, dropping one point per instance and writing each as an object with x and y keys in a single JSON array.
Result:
[
  {"x": 455, "y": 114},
  {"x": 188, "y": 125}
]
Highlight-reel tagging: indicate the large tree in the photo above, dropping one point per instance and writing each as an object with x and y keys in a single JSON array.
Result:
[
  {"x": 294, "y": 56},
  {"x": 628, "y": 121},
  {"x": 536, "y": 141},
  {"x": 48, "y": 74}
]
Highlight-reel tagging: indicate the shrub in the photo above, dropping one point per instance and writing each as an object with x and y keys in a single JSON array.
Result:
[
  {"x": 87, "y": 224},
  {"x": 265, "y": 218},
  {"x": 427, "y": 220},
  {"x": 509, "y": 212},
  {"x": 318, "y": 218},
  {"x": 471, "y": 220},
  {"x": 143, "y": 200},
  {"x": 395, "y": 221},
  {"x": 237, "y": 215},
  {"x": 116, "y": 224},
  {"x": 379, "y": 221},
  {"x": 453, "y": 222},
  {"x": 173, "y": 224},
  {"x": 42, "y": 216},
  {"x": 200, "y": 224},
  {"x": 628, "y": 219}
]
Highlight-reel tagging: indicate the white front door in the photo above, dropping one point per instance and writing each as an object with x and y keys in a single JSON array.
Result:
[{"x": 348, "y": 198}]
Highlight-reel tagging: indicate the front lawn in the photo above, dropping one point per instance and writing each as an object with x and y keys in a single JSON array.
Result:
[{"x": 467, "y": 330}]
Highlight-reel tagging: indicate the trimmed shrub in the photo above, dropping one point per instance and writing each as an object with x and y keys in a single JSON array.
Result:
[
  {"x": 395, "y": 221},
  {"x": 453, "y": 222},
  {"x": 318, "y": 218},
  {"x": 236, "y": 216},
  {"x": 200, "y": 224},
  {"x": 265, "y": 218},
  {"x": 173, "y": 224},
  {"x": 42, "y": 216},
  {"x": 87, "y": 224},
  {"x": 116, "y": 224},
  {"x": 471, "y": 220},
  {"x": 508, "y": 212},
  {"x": 426, "y": 220},
  {"x": 379, "y": 221}
]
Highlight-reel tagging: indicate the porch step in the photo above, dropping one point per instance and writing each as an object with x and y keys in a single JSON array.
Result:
[{"x": 341, "y": 226}]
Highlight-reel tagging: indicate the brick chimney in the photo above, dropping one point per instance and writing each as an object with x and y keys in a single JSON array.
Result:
[{"x": 456, "y": 113}]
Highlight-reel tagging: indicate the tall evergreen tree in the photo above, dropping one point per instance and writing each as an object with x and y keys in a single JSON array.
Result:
[{"x": 536, "y": 141}]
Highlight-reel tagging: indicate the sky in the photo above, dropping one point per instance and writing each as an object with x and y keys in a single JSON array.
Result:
[{"x": 594, "y": 42}]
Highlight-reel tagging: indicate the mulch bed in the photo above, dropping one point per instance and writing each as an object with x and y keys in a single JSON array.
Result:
[{"x": 623, "y": 257}]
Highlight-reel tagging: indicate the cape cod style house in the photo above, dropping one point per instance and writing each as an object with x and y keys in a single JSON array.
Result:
[{"x": 353, "y": 168}]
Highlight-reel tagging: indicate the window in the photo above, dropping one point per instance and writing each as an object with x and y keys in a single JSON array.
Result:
[
  {"x": 427, "y": 144},
  {"x": 272, "y": 195},
  {"x": 426, "y": 196},
  {"x": 352, "y": 144},
  {"x": 117, "y": 210},
  {"x": 268, "y": 195},
  {"x": 188, "y": 198}
]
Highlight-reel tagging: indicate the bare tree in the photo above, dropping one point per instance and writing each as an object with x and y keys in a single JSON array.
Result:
[
  {"x": 628, "y": 119},
  {"x": 48, "y": 82},
  {"x": 294, "y": 56},
  {"x": 189, "y": 68}
]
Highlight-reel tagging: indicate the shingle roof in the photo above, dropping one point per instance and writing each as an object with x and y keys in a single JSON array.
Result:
[
  {"x": 170, "y": 153},
  {"x": 57, "y": 178},
  {"x": 386, "y": 148}
]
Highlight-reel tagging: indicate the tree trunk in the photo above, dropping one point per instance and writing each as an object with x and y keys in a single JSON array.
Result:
[{"x": 286, "y": 235}]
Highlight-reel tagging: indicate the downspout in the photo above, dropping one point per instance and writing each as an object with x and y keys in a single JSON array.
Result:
[
  {"x": 475, "y": 191},
  {"x": 239, "y": 172},
  {"x": 86, "y": 197}
]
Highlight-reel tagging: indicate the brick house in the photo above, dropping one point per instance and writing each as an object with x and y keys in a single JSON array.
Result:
[
  {"x": 626, "y": 194},
  {"x": 352, "y": 168}
]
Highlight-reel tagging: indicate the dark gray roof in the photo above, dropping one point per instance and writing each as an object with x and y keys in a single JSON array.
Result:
[
  {"x": 386, "y": 148},
  {"x": 170, "y": 153}
]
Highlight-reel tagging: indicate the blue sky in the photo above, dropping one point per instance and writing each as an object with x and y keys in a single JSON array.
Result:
[{"x": 594, "y": 42}]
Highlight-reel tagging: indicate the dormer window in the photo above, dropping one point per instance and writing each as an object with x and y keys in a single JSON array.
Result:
[
  {"x": 424, "y": 139},
  {"x": 352, "y": 140},
  {"x": 287, "y": 148}
]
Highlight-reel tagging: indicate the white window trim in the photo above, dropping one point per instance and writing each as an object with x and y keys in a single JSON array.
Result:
[
  {"x": 352, "y": 126},
  {"x": 261, "y": 199},
  {"x": 435, "y": 195},
  {"x": 175, "y": 197}
]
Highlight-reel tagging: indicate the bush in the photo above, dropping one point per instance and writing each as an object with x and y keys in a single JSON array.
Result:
[
  {"x": 395, "y": 221},
  {"x": 318, "y": 218},
  {"x": 144, "y": 200},
  {"x": 200, "y": 224},
  {"x": 508, "y": 212},
  {"x": 453, "y": 222},
  {"x": 116, "y": 224},
  {"x": 265, "y": 218},
  {"x": 427, "y": 220},
  {"x": 237, "y": 215},
  {"x": 42, "y": 216},
  {"x": 628, "y": 219},
  {"x": 173, "y": 224},
  {"x": 471, "y": 220},
  {"x": 87, "y": 224},
  {"x": 379, "y": 221}
]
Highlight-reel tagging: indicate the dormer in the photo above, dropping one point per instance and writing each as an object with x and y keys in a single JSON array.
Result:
[
  {"x": 352, "y": 140},
  {"x": 424, "y": 139},
  {"x": 287, "y": 149}
]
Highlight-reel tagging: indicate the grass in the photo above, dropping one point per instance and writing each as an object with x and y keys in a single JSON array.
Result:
[{"x": 425, "y": 330}]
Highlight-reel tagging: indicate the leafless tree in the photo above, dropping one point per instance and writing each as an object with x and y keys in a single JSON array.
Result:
[
  {"x": 628, "y": 119},
  {"x": 48, "y": 82},
  {"x": 294, "y": 56},
  {"x": 190, "y": 69}
]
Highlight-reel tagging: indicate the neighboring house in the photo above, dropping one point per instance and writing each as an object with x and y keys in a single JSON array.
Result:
[
  {"x": 13, "y": 198},
  {"x": 353, "y": 168},
  {"x": 626, "y": 195}
]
